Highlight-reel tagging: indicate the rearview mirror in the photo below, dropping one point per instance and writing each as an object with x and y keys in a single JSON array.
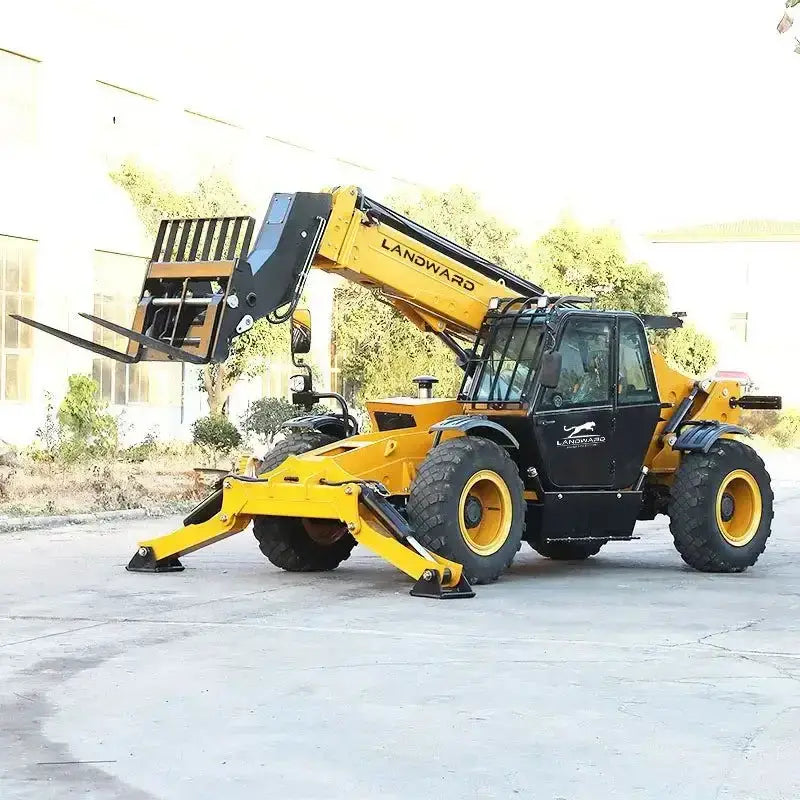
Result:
[
  {"x": 550, "y": 371},
  {"x": 301, "y": 331}
]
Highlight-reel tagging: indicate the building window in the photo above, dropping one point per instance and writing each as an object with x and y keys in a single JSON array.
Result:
[
  {"x": 117, "y": 281},
  {"x": 738, "y": 326},
  {"x": 18, "y": 78},
  {"x": 17, "y": 257}
]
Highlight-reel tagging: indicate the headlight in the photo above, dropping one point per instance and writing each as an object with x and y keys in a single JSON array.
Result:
[{"x": 297, "y": 383}]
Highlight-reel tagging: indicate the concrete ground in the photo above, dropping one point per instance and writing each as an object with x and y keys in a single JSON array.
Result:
[{"x": 628, "y": 676}]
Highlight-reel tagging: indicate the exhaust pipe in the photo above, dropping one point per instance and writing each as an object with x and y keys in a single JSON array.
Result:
[{"x": 425, "y": 386}]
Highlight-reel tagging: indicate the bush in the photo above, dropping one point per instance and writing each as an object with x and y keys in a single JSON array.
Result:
[
  {"x": 80, "y": 429},
  {"x": 687, "y": 349},
  {"x": 264, "y": 417},
  {"x": 141, "y": 451},
  {"x": 787, "y": 432},
  {"x": 49, "y": 434},
  {"x": 216, "y": 436},
  {"x": 781, "y": 428},
  {"x": 85, "y": 428}
]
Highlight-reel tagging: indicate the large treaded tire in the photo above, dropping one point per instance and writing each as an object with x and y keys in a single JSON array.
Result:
[
  {"x": 434, "y": 499},
  {"x": 567, "y": 551},
  {"x": 692, "y": 508},
  {"x": 284, "y": 540}
]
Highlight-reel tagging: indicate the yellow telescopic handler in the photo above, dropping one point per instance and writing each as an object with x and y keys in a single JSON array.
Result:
[{"x": 567, "y": 428}]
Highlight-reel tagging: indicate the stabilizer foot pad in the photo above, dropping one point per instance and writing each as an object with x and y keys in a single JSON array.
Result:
[
  {"x": 432, "y": 588},
  {"x": 144, "y": 561}
]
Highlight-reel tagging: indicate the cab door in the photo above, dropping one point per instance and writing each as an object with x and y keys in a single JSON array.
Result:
[
  {"x": 574, "y": 422},
  {"x": 637, "y": 401}
]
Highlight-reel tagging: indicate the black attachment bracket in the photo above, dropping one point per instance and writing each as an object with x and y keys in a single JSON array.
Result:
[
  {"x": 430, "y": 587},
  {"x": 144, "y": 561},
  {"x": 758, "y": 402}
]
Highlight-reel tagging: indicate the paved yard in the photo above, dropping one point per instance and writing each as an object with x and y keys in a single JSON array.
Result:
[{"x": 628, "y": 676}]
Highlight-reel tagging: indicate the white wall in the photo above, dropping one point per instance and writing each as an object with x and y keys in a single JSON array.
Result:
[{"x": 713, "y": 280}]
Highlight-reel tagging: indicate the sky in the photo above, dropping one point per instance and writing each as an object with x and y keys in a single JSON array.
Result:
[{"x": 641, "y": 114}]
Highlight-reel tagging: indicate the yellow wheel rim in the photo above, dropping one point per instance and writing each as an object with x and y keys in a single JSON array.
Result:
[
  {"x": 484, "y": 512},
  {"x": 738, "y": 507}
]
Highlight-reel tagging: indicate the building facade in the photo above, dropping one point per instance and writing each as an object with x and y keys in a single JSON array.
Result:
[
  {"x": 71, "y": 240},
  {"x": 739, "y": 283}
]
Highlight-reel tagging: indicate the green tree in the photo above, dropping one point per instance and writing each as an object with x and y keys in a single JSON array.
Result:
[
  {"x": 379, "y": 350},
  {"x": 213, "y": 196},
  {"x": 457, "y": 214},
  {"x": 688, "y": 350},
  {"x": 216, "y": 436},
  {"x": 570, "y": 259},
  {"x": 265, "y": 416}
]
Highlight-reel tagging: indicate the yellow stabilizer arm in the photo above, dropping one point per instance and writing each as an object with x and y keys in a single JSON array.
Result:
[{"x": 368, "y": 517}]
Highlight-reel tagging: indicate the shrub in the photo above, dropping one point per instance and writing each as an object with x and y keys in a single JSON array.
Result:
[
  {"x": 141, "y": 451},
  {"x": 781, "y": 428},
  {"x": 687, "y": 349},
  {"x": 787, "y": 431},
  {"x": 216, "y": 436},
  {"x": 85, "y": 428},
  {"x": 48, "y": 434},
  {"x": 264, "y": 417}
]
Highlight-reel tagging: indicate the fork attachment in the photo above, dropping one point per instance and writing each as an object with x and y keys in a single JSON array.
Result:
[{"x": 203, "y": 286}]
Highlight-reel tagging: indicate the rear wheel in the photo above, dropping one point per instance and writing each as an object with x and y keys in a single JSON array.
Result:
[
  {"x": 567, "y": 551},
  {"x": 721, "y": 508},
  {"x": 466, "y": 504},
  {"x": 298, "y": 544}
]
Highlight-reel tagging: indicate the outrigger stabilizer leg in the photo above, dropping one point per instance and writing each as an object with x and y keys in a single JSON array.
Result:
[{"x": 369, "y": 516}]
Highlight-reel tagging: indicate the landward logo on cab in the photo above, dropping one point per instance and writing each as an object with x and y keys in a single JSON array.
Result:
[{"x": 581, "y": 436}]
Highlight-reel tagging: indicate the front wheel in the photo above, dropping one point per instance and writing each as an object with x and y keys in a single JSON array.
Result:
[
  {"x": 721, "y": 508},
  {"x": 466, "y": 504},
  {"x": 300, "y": 544}
]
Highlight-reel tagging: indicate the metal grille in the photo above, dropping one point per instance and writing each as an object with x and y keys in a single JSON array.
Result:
[
  {"x": 509, "y": 342},
  {"x": 206, "y": 239}
]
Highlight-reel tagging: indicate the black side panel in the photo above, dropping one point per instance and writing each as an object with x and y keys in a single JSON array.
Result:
[
  {"x": 565, "y": 515},
  {"x": 283, "y": 251},
  {"x": 469, "y": 259}
]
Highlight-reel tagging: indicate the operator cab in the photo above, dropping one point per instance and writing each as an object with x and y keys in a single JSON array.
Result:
[{"x": 575, "y": 387}]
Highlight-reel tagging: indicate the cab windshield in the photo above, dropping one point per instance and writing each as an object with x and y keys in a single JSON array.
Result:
[{"x": 507, "y": 363}]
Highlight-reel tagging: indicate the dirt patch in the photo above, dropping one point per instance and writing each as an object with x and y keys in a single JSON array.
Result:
[{"x": 34, "y": 488}]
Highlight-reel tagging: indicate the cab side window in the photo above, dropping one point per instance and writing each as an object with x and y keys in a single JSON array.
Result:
[
  {"x": 585, "y": 349},
  {"x": 635, "y": 383}
]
